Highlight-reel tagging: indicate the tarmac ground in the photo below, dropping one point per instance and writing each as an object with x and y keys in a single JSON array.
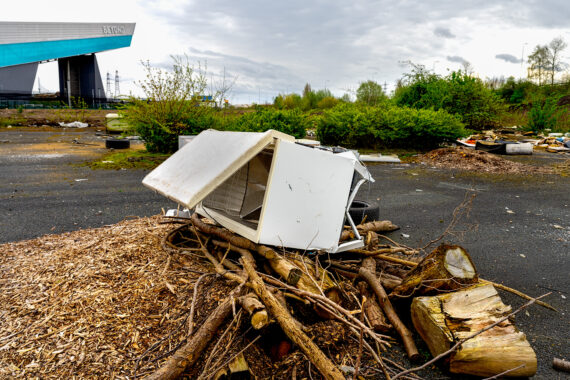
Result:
[{"x": 517, "y": 229}]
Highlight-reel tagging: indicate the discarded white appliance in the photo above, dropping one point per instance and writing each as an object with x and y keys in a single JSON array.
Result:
[{"x": 265, "y": 187}]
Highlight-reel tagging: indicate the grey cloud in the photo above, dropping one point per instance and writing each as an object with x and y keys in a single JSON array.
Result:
[
  {"x": 508, "y": 58},
  {"x": 443, "y": 32},
  {"x": 456, "y": 58},
  {"x": 285, "y": 44}
]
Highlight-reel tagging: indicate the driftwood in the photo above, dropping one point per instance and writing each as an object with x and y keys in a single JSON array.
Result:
[
  {"x": 444, "y": 319},
  {"x": 286, "y": 321},
  {"x": 188, "y": 354},
  {"x": 386, "y": 305},
  {"x": 448, "y": 267},
  {"x": 371, "y": 308}
]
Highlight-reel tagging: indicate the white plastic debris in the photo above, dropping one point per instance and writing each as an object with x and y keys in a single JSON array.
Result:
[{"x": 74, "y": 124}]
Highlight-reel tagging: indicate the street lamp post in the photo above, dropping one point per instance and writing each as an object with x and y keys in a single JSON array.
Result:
[{"x": 522, "y": 59}]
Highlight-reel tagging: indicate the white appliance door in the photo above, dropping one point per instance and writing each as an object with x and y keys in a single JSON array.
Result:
[{"x": 306, "y": 198}]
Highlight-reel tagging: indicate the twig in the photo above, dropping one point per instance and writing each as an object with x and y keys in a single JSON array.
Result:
[
  {"x": 503, "y": 373},
  {"x": 461, "y": 210},
  {"x": 194, "y": 298},
  {"x": 236, "y": 320},
  {"x": 234, "y": 356},
  {"x": 358, "y": 358},
  {"x": 459, "y": 343}
]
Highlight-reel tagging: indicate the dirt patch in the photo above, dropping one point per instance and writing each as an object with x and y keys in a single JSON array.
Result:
[
  {"x": 477, "y": 161},
  {"x": 52, "y": 117}
]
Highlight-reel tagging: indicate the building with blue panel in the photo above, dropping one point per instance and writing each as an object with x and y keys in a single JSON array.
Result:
[{"x": 23, "y": 45}]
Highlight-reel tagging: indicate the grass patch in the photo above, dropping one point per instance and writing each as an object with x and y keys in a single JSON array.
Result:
[
  {"x": 13, "y": 121},
  {"x": 129, "y": 159}
]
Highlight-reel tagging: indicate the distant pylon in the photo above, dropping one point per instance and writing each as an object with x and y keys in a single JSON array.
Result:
[
  {"x": 109, "y": 94},
  {"x": 117, "y": 90}
]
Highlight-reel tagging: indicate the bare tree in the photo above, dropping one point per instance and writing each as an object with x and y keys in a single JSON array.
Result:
[
  {"x": 556, "y": 46},
  {"x": 539, "y": 63},
  {"x": 224, "y": 86},
  {"x": 467, "y": 68}
]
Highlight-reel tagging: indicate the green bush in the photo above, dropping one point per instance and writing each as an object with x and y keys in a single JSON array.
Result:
[
  {"x": 291, "y": 122},
  {"x": 374, "y": 127},
  {"x": 458, "y": 93},
  {"x": 544, "y": 114},
  {"x": 172, "y": 106}
]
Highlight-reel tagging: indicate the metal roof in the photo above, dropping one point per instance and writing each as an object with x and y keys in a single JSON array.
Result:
[{"x": 26, "y": 42}]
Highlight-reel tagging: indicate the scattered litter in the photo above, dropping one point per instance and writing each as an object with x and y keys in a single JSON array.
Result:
[
  {"x": 419, "y": 190},
  {"x": 80, "y": 179},
  {"x": 74, "y": 124},
  {"x": 510, "y": 212},
  {"x": 176, "y": 213},
  {"x": 405, "y": 236},
  {"x": 558, "y": 227},
  {"x": 522, "y": 255},
  {"x": 563, "y": 296},
  {"x": 377, "y": 157}
]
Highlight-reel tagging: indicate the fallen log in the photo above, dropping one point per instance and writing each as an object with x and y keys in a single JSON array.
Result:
[
  {"x": 287, "y": 323},
  {"x": 371, "y": 308},
  {"x": 445, "y": 319},
  {"x": 448, "y": 267},
  {"x": 256, "y": 310},
  {"x": 188, "y": 354},
  {"x": 391, "y": 314}
]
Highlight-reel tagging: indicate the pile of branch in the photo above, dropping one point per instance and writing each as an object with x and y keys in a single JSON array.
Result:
[{"x": 283, "y": 294}]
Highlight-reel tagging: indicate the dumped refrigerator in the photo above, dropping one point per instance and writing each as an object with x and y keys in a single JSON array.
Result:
[{"x": 266, "y": 187}]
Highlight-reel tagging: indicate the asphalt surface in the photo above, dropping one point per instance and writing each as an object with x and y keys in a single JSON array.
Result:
[{"x": 517, "y": 230}]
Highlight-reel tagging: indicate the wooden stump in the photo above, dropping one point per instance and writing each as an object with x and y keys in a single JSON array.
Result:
[
  {"x": 448, "y": 267},
  {"x": 445, "y": 319}
]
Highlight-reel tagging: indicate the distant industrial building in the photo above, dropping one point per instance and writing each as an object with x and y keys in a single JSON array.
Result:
[{"x": 24, "y": 45}]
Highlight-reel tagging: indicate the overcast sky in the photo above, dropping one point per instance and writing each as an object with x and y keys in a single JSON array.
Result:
[{"x": 276, "y": 47}]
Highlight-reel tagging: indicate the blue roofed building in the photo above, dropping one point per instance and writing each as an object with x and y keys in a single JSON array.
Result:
[{"x": 23, "y": 45}]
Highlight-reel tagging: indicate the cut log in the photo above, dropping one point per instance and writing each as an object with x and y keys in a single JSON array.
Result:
[
  {"x": 239, "y": 367},
  {"x": 448, "y": 267},
  {"x": 256, "y": 310},
  {"x": 372, "y": 310},
  {"x": 445, "y": 319}
]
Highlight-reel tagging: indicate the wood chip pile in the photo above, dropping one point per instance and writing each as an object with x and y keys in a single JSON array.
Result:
[
  {"x": 477, "y": 161},
  {"x": 87, "y": 304}
]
